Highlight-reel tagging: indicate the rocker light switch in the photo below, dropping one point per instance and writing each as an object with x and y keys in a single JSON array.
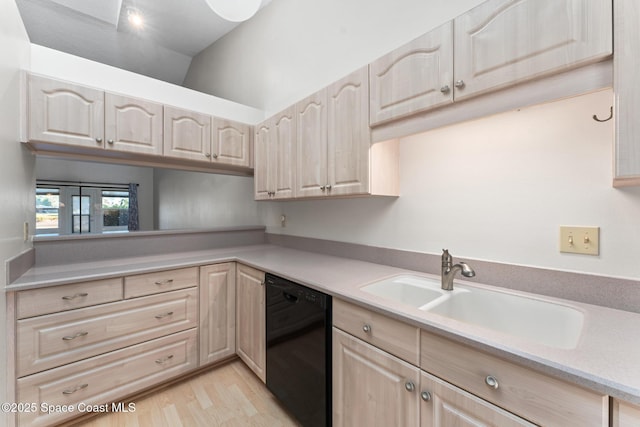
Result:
[{"x": 580, "y": 240}]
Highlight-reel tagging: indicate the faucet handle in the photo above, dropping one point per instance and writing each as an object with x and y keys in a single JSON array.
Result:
[{"x": 446, "y": 257}]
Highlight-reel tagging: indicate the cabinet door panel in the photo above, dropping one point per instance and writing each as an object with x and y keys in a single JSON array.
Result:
[
  {"x": 311, "y": 172},
  {"x": 65, "y": 113},
  {"x": 187, "y": 134},
  {"x": 284, "y": 154},
  {"x": 504, "y": 42},
  {"x": 231, "y": 143},
  {"x": 264, "y": 161},
  {"x": 251, "y": 319},
  {"x": 349, "y": 137},
  {"x": 217, "y": 312},
  {"x": 624, "y": 414},
  {"x": 451, "y": 406},
  {"x": 370, "y": 386},
  {"x": 409, "y": 79},
  {"x": 133, "y": 125}
]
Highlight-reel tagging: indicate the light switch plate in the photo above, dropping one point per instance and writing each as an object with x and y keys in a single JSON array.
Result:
[{"x": 580, "y": 240}]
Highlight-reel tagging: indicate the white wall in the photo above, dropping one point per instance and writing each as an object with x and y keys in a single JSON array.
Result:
[
  {"x": 16, "y": 164},
  {"x": 202, "y": 200},
  {"x": 497, "y": 189},
  {"x": 292, "y": 48},
  {"x": 70, "y": 170}
]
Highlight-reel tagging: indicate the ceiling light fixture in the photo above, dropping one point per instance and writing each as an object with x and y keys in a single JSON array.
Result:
[
  {"x": 235, "y": 10},
  {"x": 135, "y": 18}
]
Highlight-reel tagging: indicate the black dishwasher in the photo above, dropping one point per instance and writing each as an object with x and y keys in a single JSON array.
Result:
[{"x": 299, "y": 350}]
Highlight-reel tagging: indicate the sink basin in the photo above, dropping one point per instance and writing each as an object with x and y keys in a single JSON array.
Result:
[
  {"x": 545, "y": 322},
  {"x": 415, "y": 291}
]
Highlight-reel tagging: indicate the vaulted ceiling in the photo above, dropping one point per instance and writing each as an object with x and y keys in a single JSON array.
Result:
[{"x": 174, "y": 32}]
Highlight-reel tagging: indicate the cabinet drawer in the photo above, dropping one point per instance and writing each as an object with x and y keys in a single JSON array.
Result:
[
  {"x": 48, "y": 341},
  {"x": 161, "y": 281},
  {"x": 393, "y": 336},
  {"x": 534, "y": 396},
  {"x": 107, "y": 377},
  {"x": 36, "y": 302}
]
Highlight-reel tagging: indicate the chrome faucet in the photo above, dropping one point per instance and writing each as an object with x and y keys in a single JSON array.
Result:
[{"x": 449, "y": 270}]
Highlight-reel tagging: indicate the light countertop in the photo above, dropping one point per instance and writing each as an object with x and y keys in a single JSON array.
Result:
[{"x": 606, "y": 359}]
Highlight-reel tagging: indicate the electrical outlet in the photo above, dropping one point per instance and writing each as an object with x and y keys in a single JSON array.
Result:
[
  {"x": 283, "y": 220},
  {"x": 580, "y": 240}
]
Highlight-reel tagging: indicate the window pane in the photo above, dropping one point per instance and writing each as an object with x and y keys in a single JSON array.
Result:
[
  {"x": 81, "y": 220},
  {"x": 47, "y": 208},
  {"x": 115, "y": 210}
]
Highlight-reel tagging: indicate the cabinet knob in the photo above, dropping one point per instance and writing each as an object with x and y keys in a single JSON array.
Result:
[
  {"x": 426, "y": 396},
  {"x": 492, "y": 382},
  {"x": 322, "y": 187},
  {"x": 99, "y": 140},
  {"x": 215, "y": 156},
  {"x": 366, "y": 328},
  {"x": 409, "y": 386},
  {"x": 207, "y": 155},
  {"x": 459, "y": 84},
  {"x": 445, "y": 89},
  {"x": 328, "y": 187},
  {"x": 110, "y": 141}
]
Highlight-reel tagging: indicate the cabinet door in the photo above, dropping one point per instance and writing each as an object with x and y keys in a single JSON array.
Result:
[
  {"x": 624, "y": 414},
  {"x": 264, "y": 161},
  {"x": 217, "y": 312},
  {"x": 349, "y": 137},
  {"x": 231, "y": 143},
  {"x": 415, "y": 77},
  {"x": 311, "y": 118},
  {"x": 251, "y": 319},
  {"x": 626, "y": 62},
  {"x": 133, "y": 125},
  {"x": 504, "y": 42},
  {"x": 65, "y": 113},
  {"x": 187, "y": 134},
  {"x": 445, "y": 405},
  {"x": 370, "y": 387},
  {"x": 283, "y": 150}
]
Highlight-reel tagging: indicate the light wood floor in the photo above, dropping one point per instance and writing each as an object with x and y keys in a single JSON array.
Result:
[{"x": 229, "y": 395}]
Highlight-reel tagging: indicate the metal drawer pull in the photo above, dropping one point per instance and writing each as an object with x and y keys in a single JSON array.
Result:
[
  {"x": 164, "y": 360},
  {"x": 164, "y": 282},
  {"x": 163, "y": 315},
  {"x": 426, "y": 396},
  {"x": 73, "y": 337},
  {"x": 492, "y": 382},
  {"x": 74, "y": 296},
  {"x": 76, "y": 388},
  {"x": 410, "y": 386},
  {"x": 366, "y": 328}
]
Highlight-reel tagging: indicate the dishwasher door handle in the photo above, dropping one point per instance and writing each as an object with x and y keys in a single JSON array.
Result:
[{"x": 289, "y": 297}]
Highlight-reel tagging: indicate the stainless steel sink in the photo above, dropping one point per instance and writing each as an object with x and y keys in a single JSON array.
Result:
[{"x": 531, "y": 318}]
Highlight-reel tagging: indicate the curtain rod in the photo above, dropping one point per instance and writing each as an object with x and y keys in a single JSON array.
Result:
[{"x": 80, "y": 183}]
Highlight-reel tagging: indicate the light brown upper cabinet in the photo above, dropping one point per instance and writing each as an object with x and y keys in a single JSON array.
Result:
[
  {"x": 132, "y": 125},
  {"x": 335, "y": 156},
  {"x": 413, "y": 78},
  {"x": 504, "y": 42},
  {"x": 311, "y": 122},
  {"x": 626, "y": 63},
  {"x": 64, "y": 113},
  {"x": 231, "y": 144},
  {"x": 275, "y": 154},
  {"x": 187, "y": 134}
]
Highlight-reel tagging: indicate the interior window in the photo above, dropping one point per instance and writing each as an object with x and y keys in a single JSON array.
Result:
[{"x": 64, "y": 207}]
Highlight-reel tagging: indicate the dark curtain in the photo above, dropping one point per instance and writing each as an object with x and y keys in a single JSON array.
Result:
[{"x": 133, "y": 207}]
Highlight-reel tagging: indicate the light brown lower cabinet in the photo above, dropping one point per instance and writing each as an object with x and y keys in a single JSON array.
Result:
[
  {"x": 217, "y": 312},
  {"x": 373, "y": 388},
  {"x": 251, "y": 319},
  {"x": 624, "y": 414}
]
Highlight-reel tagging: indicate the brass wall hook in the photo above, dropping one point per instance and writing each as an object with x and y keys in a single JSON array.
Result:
[{"x": 595, "y": 117}]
